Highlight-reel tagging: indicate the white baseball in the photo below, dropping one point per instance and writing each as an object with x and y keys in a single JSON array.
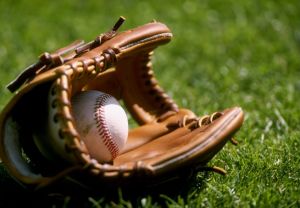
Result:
[{"x": 101, "y": 122}]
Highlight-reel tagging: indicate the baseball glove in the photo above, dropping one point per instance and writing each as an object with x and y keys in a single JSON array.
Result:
[{"x": 39, "y": 142}]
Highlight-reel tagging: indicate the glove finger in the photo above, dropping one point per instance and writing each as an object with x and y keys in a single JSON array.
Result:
[{"x": 185, "y": 143}]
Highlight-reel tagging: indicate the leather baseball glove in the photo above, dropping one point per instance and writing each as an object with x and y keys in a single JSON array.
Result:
[{"x": 39, "y": 142}]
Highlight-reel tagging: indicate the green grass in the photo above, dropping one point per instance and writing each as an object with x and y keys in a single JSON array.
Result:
[{"x": 223, "y": 54}]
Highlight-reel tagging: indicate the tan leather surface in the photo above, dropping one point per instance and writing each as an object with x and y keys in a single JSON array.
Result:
[
  {"x": 183, "y": 140},
  {"x": 147, "y": 133}
]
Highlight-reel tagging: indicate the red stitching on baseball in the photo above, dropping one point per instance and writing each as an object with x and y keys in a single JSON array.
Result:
[{"x": 102, "y": 127}]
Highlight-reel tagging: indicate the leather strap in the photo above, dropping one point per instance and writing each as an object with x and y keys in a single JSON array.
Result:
[{"x": 59, "y": 57}]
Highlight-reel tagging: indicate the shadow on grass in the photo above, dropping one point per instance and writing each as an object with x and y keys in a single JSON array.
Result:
[{"x": 13, "y": 194}]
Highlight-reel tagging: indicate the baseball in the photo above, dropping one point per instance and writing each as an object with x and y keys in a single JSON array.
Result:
[{"x": 101, "y": 122}]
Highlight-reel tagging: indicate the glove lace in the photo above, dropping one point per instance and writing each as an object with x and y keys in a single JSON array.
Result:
[
  {"x": 163, "y": 101},
  {"x": 199, "y": 122}
]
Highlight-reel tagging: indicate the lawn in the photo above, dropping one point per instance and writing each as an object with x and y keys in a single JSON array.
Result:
[{"x": 223, "y": 54}]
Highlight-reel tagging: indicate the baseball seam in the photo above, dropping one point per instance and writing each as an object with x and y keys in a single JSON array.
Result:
[{"x": 102, "y": 126}]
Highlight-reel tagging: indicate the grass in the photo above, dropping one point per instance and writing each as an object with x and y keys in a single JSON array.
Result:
[{"x": 227, "y": 53}]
